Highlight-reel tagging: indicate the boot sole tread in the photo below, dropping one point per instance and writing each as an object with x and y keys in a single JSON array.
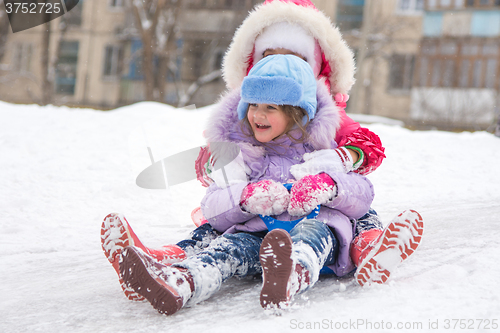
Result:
[
  {"x": 275, "y": 258},
  {"x": 137, "y": 276},
  {"x": 113, "y": 222},
  {"x": 370, "y": 271}
]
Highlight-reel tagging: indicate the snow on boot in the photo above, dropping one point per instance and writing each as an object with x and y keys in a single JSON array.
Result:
[
  {"x": 382, "y": 255},
  {"x": 167, "y": 288},
  {"x": 116, "y": 234},
  {"x": 282, "y": 276}
]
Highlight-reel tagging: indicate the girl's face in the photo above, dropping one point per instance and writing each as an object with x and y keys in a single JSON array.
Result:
[{"x": 268, "y": 121}]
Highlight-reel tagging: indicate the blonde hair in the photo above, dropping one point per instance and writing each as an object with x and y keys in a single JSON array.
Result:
[{"x": 295, "y": 116}]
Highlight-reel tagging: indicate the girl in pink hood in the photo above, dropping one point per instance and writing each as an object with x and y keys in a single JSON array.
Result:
[{"x": 296, "y": 27}]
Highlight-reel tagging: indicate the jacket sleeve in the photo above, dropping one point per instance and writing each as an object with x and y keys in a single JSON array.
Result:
[
  {"x": 355, "y": 194},
  {"x": 352, "y": 134},
  {"x": 221, "y": 206}
]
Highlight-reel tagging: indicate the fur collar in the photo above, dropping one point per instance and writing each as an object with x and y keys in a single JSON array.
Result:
[{"x": 223, "y": 124}]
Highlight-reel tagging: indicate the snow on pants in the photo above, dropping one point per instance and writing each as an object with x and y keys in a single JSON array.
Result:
[
  {"x": 314, "y": 246},
  {"x": 201, "y": 237},
  {"x": 227, "y": 256},
  {"x": 238, "y": 255},
  {"x": 367, "y": 222}
]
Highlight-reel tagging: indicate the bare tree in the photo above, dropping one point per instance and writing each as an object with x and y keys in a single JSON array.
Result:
[
  {"x": 158, "y": 24},
  {"x": 155, "y": 21},
  {"x": 4, "y": 29},
  {"x": 186, "y": 94},
  {"x": 46, "y": 83},
  {"x": 381, "y": 29}
]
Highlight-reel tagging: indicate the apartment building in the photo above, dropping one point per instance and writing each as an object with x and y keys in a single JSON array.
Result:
[
  {"x": 95, "y": 54},
  {"x": 457, "y": 78},
  {"x": 429, "y": 63},
  {"x": 385, "y": 35}
]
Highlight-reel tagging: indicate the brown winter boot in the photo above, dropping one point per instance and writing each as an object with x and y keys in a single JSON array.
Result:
[
  {"x": 116, "y": 234},
  {"x": 167, "y": 288},
  {"x": 282, "y": 277},
  {"x": 377, "y": 252}
]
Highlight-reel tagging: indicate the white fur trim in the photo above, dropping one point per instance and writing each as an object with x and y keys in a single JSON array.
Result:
[
  {"x": 287, "y": 36},
  {"x": 337, "y": 53}
]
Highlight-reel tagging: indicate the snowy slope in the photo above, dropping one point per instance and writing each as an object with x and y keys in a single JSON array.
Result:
[{"x": 62, "y": 170}]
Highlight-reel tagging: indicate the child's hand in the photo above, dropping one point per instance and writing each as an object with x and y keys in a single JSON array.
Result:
[
  {"x": 266, "y": 197},
  {"x": 325, "y": 160},
  {"x": 309, "y": 192}
]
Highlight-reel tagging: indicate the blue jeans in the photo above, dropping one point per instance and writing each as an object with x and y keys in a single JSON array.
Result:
[
  {"x": 238, "y": 254},
  {"x": 227, "y": 256},
  {"x": 367, "y": 222},
  {"x": 243, "y": 248},
  {"x": 201, "y": 237},
  {"x": 319, "y": 237}
]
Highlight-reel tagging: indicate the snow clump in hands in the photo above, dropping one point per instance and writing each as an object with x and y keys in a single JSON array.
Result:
[
  {"x": 309, "y": 192},
  {"x": 265, "y": 197}
]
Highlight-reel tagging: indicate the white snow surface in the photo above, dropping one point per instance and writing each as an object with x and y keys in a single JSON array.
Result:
[{"x": 63, "y": 170}]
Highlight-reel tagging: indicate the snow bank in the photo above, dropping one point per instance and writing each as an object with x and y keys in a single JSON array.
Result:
[{"x": 62, "y": 170}]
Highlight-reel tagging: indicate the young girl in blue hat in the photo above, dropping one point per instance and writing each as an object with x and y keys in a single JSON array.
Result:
[
  {"x": 292, "y": 27},
  {"x": 281, "y": 115}
]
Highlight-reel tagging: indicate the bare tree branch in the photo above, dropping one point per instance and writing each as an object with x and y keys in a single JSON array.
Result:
[{"x": 188, "y": 94}]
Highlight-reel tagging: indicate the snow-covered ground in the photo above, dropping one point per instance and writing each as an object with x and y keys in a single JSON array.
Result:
[{"x": 62, "y": 170}]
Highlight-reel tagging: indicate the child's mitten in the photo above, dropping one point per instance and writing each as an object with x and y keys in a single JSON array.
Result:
[
  {"x": 325, "y": 160},
  {"x": 266, "y": 197},
  {"x": 309, "y": 192}
]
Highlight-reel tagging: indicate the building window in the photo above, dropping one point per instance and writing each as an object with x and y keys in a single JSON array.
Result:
[
  {"x": 116, "y": 3},
  {"x": 217, "y": 4},
  {"x": 350, "y": 14},
  {"x": 481, "y": 3},
  {"x": 233, "y": 3},
  {"x": 410, "y": 6},
  {"x": 448, "y": 73},
  {"x": 67, "y": 67},
  {"x": 113, "y": 60},
  {"x": 478, "y": 74},
  {"x": 491, "y": 70},
  {"x": 219, "y": 57},
  {"x": 74, "y": 16},
  {"x": 21, "y": 58},
  {"x": 433, "y": 24},
  {"x": 436, "y": 73},
  {"x": 485, "y": 23},
  {"x": 474, "y": 64},
  {"x": 454, "y": 4},
  {"x": 401, "y": 73},
  {"x": 174, "y": 72}
]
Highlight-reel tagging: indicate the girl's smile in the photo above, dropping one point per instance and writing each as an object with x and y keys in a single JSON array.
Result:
[{"x": 268, "y": 121}]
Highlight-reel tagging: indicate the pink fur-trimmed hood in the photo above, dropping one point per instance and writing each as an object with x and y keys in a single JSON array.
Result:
[{"x": 337, "y": 59}]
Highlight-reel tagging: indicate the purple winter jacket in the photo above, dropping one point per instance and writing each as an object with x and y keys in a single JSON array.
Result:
[{"x": 221, "y": 205}]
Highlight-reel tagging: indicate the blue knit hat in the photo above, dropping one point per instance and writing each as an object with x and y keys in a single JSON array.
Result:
[{"x": 280, "y": 79}]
